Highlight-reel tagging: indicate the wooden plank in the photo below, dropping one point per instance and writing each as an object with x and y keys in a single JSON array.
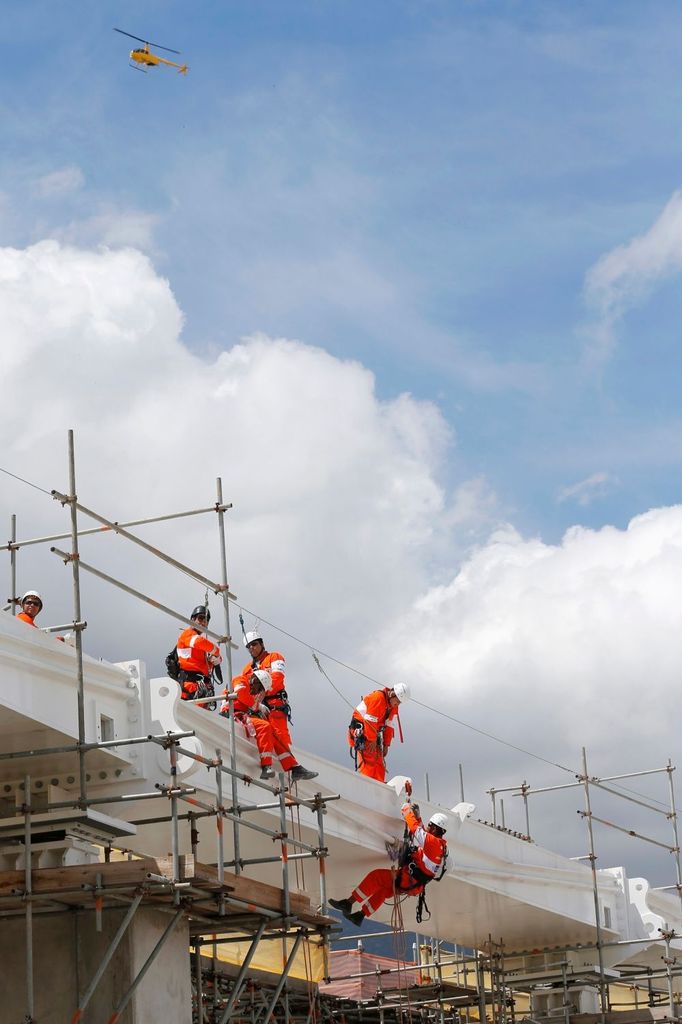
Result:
[
  {"x": 45, "y": 880},
  {"x": 252, "y": 893}
]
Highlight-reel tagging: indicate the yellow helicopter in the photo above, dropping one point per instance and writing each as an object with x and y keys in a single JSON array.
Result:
[{"x": 144, "y": 55}]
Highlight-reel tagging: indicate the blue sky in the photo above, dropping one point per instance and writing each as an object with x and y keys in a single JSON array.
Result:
[{"x": 420, "y": 186}]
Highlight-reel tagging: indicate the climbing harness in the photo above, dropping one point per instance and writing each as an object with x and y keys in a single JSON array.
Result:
[
  {"x": 282, "y": 704},
  {"x": 408, "y": 866},
  {"x": 356, "y": 739}
]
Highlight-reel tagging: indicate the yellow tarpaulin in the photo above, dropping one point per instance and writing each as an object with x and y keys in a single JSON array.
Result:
[{"x": 271, "y": 955}]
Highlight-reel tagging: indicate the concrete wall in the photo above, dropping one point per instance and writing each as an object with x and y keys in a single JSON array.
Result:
[{"x": 67, "y": 952}]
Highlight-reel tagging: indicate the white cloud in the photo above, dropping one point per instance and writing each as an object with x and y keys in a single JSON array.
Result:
[
  {"x": 592, "y": 488},
  {"x": 59, "y": 183},
  {"x": 625, "y": 276},
  {"x": 338, "y": 500},
  {"x": 340, "y": 518},
  {"x": 553, "y": 647}
]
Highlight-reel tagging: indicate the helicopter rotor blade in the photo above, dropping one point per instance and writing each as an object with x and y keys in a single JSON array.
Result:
[
  {"x": 146, "y": 42},
  {"x": 131, "y": 36}
]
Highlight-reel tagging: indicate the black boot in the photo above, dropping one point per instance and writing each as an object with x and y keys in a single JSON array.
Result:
[
  {"x": 267, "y": 771},
  {"x": 300, "y": 774},
  {"x": 357, "y": 918},
  {"x": 344, "y": 906}
]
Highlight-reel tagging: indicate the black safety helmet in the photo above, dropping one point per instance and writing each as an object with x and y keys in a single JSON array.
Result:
[{"x": 202, "y": 610}]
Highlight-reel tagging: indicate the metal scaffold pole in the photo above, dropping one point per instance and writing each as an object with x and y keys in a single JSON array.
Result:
[
  {"x": 12, "y": 597},
  {"x": 595, "y": 890},
  {"x": 228, "y": 664},
  {"x": 676, "y": 838},
  {"x": 28, "y": 896},
  {"x": 72, "y": 501}
]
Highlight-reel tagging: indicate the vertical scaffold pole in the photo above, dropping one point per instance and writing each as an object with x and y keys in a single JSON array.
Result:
[
  {"x": 228, "y": 665},
  {"x": 198, "y": 983},
  {"x": 284, "y": 844},
  {"x": 28, "y": 890},
  {"x": 321, "y": 858},
  {"x": 75, "y": 568},
  {"x": 480, "y": 986},
  {"x": 219, "y": 817},
  {"x": 673, "y": 821},
  {"x": 669, "y": 961},
  {"x": 13, "y": 565},
  {"x": 595, "y": 889},
  {"x": 524, "y": 792},
  {"x": 175, "y": 831}
]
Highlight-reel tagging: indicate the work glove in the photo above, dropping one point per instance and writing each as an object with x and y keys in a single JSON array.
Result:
[
  {"x": 415, "y": 810},
  {"x": 264, "y": 710}
]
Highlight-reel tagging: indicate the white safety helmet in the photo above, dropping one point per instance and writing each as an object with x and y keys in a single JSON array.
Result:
[
  {"x": 32, "y": 593},
  {"x": 402, "y": 692},
  {"x": 263, "y": 677},
  {"x": 250, "y": 637},
  {"x": 439, "y": 820}
]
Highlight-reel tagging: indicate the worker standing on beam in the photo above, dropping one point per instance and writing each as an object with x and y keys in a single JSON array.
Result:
[
  {"x": 371, "y": 731},
  {"x": 254, "y": 715},
  {"x": 423, "y": 858},
  {"x": 197, "y": 657},
  {"x": 275, "y": 699}
]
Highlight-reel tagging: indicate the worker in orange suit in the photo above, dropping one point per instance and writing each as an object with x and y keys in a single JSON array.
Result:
[
  {"x": 276, "y": 698},
  {"x": 371, "y": 731},
  {"x": 31, "y": 606},
  {"x": 425, "y": 858},
  {"x": 255, "y": 716},
  {"x": 197, "y": 657}
]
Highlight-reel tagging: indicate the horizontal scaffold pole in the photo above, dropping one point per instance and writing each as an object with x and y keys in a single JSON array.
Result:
[
  {"x": 66, "y": 557},
  {"x": 217, "y": 588},
  {"x": 14, "y": 545}
]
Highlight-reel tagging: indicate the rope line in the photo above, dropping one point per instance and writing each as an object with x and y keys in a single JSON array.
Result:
[
  {"x": 492, "y": 736},
  {"x": 24, "y": 481},
  {"x": 436, "y": 711},
  {"x": 335, "y": 688}
]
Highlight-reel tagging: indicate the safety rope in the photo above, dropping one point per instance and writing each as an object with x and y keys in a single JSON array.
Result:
[
  {"x": 335, "y": 688},
  {"x": 299, "y": 868},
  {"x": 400, "y": 947},
  {"x": 22, "y": 480}
]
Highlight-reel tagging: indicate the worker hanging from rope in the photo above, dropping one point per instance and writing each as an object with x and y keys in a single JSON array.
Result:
[
  {"x": 198, "y": 658},
  {"x": 423, "y": 858},
  {"x": 371, "y": 729},
  {"x": 275, "y": 699}
]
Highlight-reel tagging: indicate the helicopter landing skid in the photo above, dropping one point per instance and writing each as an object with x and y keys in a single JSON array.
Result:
[{"x": 136, "y": 67}]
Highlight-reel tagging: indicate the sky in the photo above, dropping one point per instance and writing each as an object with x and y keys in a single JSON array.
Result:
[{"x": 406, "y": 276}]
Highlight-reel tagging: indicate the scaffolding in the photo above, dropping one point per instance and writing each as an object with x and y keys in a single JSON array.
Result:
[
  {"x": 556, "y": 977},
  {"x": 222, "y": 904},
  {"x": 217, "y": 903}
]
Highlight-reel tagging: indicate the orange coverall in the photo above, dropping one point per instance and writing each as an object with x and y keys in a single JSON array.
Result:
[
  {"x": 275, "y": 697},
  {"x": 267, "y": 740},
  {"x": 382, "y": 884},
  {"x": 194, "y": 652},
  {"x": 26, "y": 618},
  {"x": 375, "y": 714}
]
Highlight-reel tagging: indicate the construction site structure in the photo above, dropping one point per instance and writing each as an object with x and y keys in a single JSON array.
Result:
[{"x": 110, "y": 785}]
